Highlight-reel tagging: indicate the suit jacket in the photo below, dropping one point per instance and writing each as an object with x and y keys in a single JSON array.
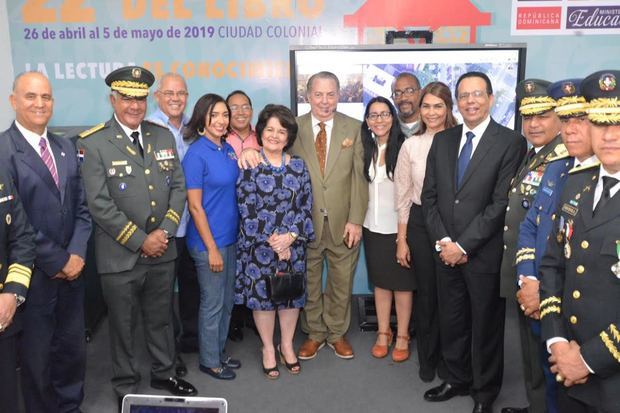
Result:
[
  {"x": 580, "y": 293},
  {"x": 17, "y": 248},
  {"x": 343, "y": 191},
  {"x": 523, "y": 189},
  {"x": 59, "y": 216},
  {"x": 473, "y": 214},
  {"x": 130, "y": 196}
]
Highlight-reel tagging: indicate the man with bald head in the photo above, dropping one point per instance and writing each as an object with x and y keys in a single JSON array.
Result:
[{"x": 45, "y": 170}]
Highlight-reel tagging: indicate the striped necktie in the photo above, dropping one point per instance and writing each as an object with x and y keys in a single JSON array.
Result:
[{"x": 46, "y": 156}]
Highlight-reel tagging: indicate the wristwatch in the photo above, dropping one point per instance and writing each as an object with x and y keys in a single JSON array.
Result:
[
  {"x": 293, "y": 235},
  {"x": 19, "y": 300}
]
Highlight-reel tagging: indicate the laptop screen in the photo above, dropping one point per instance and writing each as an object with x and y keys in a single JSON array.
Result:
[{"x": 141, "y": 403}]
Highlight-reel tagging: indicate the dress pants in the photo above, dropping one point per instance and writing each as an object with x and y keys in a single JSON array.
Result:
[
  {"x": 9, "y": 396},
  {"x": 145, "y": 289},
  {"x": 471, "y": 317},
  {"x": 327, "y": 314},
  {"x": 189, "y": 296},
  {"x": 425, "y": 311},
  {"x": 53, "y": 345},
  {"x": 567, "y": 404}
]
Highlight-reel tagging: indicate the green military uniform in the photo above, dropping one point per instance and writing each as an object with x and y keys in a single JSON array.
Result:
[
  {"x": 17, "y": 254},
  {"x": 533, "y": 100},
  {"x": 132, "y": 191}
]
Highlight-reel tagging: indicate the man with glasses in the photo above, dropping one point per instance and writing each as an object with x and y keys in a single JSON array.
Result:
[
  {"x": 242, "y": 135},
  {"x": 171, "y": 97},
  {"x": 464, "y": 199},
  {"x": 406, "y": 97},
  {"x": 136, "y": 193}
]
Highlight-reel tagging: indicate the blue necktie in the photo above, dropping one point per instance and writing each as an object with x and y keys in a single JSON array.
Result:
[{"x": 464, "y": 158}]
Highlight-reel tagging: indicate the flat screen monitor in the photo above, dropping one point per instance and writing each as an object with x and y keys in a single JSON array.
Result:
[{"x": 368, "y": 71}]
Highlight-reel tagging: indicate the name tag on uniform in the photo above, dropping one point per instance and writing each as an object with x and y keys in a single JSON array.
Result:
[
  {"x": 569, "y": 209},
  {"x": 119, "y": 163},
  {"x": 164, "y": 154},
  {"x": 6, "y": 198},
  {"x": 533, "y": 178}
]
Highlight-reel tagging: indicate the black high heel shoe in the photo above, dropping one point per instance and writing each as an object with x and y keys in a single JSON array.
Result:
[
  {"x": 272, "y": 373},
  {"x": 293, "y": 368}
]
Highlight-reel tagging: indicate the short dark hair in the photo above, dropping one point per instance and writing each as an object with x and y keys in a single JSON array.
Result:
[
  {"x": 203, "y": 107},
  {"x": 403, "y": 75},
  {"x": 473, "y": 74},
  {"x": 239, "y": 92},
  {"x": 284, "y": 116},
  {"x": 323, "y": 75}
]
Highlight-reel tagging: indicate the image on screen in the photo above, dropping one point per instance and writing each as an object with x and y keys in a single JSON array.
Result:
[{"x": 365, "y": 73}]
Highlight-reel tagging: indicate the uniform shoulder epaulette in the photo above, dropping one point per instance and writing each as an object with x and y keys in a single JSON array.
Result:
[
  {"x": 559, "y": 152},
  {"x": 92, "y": 130},
  {"x": 584, "y": 167},
  {"x": 156, "y": 123}
]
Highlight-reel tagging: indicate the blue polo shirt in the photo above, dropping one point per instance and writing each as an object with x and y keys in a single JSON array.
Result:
[{"x": 214, "y": 170}]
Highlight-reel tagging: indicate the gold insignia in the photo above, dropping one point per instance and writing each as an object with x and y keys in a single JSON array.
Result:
[
  {"x": 559, "y": 152},
  {"x": 529, "y": 86},
  {"x": 130, "y": 150},
  {"x": 607, "y": 82},
  {"x": 136, "y": 73},
  {"x": 584, "y": 167},
  {"x": 1, "y": 187},
  {"x": 611, "y": 347},
  {"x": 8, "y": 219},
  {"x": 92, "y": 130},
  {"x": 568, "y": 88},
  {"x": 119, "y": 163}
]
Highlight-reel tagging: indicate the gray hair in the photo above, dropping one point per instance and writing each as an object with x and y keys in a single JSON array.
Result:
[{"x": 323, "y": 75}]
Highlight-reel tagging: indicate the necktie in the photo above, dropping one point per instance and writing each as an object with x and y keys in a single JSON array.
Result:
[
  {"x": 46, "y": 156},
  {"x": 135, "y": 138},
  {"x": 608, "y": 183},
  {"x": 464, "y": 158},
  {"x": 530, "y": 155},
  {"x": 320, "y": 145}
]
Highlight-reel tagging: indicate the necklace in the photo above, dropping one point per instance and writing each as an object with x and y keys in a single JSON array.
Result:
[{"x": 280, "y": 168}]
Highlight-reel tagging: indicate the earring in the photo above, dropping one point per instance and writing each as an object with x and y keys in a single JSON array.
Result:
[{"x": 201, "y": 131}]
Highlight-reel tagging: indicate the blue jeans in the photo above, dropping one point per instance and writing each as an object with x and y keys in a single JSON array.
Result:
[{"x": 216, "y": 303}]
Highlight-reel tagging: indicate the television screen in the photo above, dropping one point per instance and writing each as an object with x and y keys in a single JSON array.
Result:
[{"x": 368, "y": 71}]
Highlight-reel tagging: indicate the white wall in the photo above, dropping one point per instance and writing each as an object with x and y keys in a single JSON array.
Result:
[{"x": 6, "y": 71}]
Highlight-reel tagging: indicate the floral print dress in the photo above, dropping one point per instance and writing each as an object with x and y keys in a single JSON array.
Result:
[{"x": 271, "y": 200}]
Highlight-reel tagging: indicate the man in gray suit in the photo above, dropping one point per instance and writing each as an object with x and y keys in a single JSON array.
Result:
[{"x": 136, "y": 192}]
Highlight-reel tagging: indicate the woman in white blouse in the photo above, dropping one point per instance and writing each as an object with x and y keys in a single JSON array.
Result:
[
  {"x": 414, "y": 249},
  {"x": 382, "y": 138}
]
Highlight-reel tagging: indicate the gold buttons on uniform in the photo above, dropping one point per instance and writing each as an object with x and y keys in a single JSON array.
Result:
[
  {"x": 580, "y": 269},
  {"x": 153, "y": 219},
  {"x": 514, "y": 190},
  {"x": 553, "y": 217},
  {"x": 153, "y": 203},
  {"x": 505, "y": 247},
  {"x": 576, "y": 294},
  {"x": 508, "y": 208},
  {"x": 147, "y": 171},
  {"x": 1, "y": 286},
  {"x": 505, "y": 228},
  {"x": 151, "y": 187},
  {"x": 585, "y": 244},
  {"x": 573, "y": 319}
]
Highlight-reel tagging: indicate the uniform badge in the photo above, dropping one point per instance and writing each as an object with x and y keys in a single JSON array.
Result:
[
  {"x": 130, "y": 150},
  {"x": 128, "y": 169},
  {"x": 119, "y": 163},
  {"x": 567, "y": 250},
  {"x": 533, "y": 178},
  {"x": 80, "y": 155},
  {"x": 569, "y": 209},
  {"x": 232, "y": 155},
  {"x": 136, "y": 73},
  {"x": 525, "y": 204},
  {"x": 560, "y": 234},
  {"x": 607, "y": 82},
  {"x": 122, "y": 186},
  {"x": 616, "y": 267},
  {"x": 8, "y": 219},
  {"x": 164, "y": 154},
  {"x": 112, "y": 171},
  {"x": 529, "y": 86},
  {"x": 167, "y": 180},
  {"x": 62, "y": 154},
  {"x": 568, "y": 88}
]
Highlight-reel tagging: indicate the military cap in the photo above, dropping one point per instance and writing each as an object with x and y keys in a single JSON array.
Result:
[
  {"x": 567, "y": 94},
  {"x": 533, "y": 98},
  {"x": 131, "y": 81},
  {"x": 602, "y": 91}
]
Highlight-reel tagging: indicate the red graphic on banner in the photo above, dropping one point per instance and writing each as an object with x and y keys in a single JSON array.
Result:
[
  {"x": 407, "y": 14},
  {"x": 529, "y": 18}
]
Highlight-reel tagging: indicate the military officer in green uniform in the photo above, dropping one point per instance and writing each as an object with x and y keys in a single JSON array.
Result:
[
  {"x": 17, "y": 254},
  {"x": 541, "y": 128},
  {"x": 580, "y": 288},
  {"x": 136, "y": 192}
]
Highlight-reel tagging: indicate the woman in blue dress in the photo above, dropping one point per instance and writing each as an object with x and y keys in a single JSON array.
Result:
[{"x": 275, "y": 204}]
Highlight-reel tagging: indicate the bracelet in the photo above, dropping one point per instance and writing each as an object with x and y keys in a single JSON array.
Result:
[{"x": 398, "y": 239}]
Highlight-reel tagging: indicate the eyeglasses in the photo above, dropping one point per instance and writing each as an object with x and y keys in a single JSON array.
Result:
[
  {"x": 170, "y": 93},
  {"x": 375, "y": 116},
  {"x": 240, "y": 108},
  {"x": 475, "y": 94},
  {"x": 408, "y": 91}
]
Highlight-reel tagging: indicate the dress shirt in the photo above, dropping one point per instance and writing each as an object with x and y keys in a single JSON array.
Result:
[
  {"x": 182, "y": 145},
  {"x": 34, "y": 139},
  {"x": 239, "y": 144},
  {"x": 128, "y": 131},
  {"x": 478, "y": 131},
  {"x": 329, "y": 125},
  {"x": 409, "y": 173},
  {"x": 586, "y": 162},
  {"x": 381, "y": 216},
  {"x": 598, "y": 191}
]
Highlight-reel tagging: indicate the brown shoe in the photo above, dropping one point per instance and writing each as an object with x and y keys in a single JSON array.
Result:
[
  {"x": 342, "y": 348},
  {"x": 401, "y": 354},
  {"x": 379, "y": 351},
  {"x": 308, "y": 350}
]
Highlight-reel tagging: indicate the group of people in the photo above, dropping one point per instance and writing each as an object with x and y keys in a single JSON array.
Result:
[{"x": 462, "y": 215}]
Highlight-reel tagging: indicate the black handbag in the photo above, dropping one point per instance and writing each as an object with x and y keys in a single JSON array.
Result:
[{"x": 285, "y": 285}]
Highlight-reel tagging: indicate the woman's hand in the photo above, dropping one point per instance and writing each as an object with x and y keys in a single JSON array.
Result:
[
  {"x": 216, "y": 262},
  {"x": 284, "y": 255},
  {"x": 280, "y": 242},
  {"x": 403, "y": 256}
]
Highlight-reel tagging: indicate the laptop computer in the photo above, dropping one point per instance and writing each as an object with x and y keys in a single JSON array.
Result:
[{"x": 144, "y": 403}]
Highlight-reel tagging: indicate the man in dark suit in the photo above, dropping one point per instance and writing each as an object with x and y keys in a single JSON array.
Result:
[
  {"x": 464, "y": 199},
  {"x": 17, "y": 253},
  {"x": 46, "y": 174},
  {"x": 580, "y": 270},
  {"x": 136, "y": 193}
]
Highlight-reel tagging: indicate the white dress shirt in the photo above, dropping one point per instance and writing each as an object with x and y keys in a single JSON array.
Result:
[
  {"x": 128, "y": 131},
  {"x": 34, "y": 139},
  {"x": 381, "y": 215}
]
